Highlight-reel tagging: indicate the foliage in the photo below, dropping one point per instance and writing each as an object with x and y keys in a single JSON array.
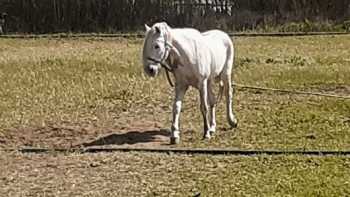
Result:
[{"x": 37, "y": 16}]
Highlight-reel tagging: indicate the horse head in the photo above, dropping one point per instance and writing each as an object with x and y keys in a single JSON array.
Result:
[{"x": 156, "y": 48}]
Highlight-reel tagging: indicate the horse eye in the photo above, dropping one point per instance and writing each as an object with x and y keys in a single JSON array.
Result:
[{"x": 156, "y": 47}]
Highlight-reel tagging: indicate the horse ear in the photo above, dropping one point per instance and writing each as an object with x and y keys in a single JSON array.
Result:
[
  {"x": 157, "y": 29},
  {"x": 165, "y": 24},
  {"x": 147, "y": 28}
]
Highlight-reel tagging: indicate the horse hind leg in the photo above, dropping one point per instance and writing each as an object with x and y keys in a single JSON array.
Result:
[
  {"x": 204, "y": 94},
  {"x": 221, "y": 89},
  {"x": 212, "y": 104}
]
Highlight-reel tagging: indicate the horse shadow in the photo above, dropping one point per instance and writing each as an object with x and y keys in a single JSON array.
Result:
[{"x": 128, "y": 138}]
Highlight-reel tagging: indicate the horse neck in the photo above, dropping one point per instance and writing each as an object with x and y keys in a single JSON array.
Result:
[{"x": 182, "y": 43}]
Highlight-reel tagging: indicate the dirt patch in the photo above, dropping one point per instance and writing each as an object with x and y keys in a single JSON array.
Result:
[{"x": 136, "y": 134}]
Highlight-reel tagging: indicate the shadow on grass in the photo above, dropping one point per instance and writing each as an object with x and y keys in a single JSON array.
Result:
[{"x": 130, "y": 138}]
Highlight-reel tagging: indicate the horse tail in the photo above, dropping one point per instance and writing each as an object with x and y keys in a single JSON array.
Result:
[
  {"x": 228, "y": 89},
  {"x": 227, "y": 70}
]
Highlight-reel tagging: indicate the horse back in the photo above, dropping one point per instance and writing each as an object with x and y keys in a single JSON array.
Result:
[{"x": 221, "y": 47}]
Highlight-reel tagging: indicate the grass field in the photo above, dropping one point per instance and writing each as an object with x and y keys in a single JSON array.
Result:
[{"x": 65, "y": 92}]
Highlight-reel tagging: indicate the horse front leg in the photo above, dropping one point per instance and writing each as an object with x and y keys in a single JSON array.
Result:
[
  {"x": 180, "y": 91},
  {"x": 203, "y": 90}
]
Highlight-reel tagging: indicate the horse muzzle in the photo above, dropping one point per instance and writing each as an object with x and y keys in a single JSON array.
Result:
[{"x": 152, "y": 70}]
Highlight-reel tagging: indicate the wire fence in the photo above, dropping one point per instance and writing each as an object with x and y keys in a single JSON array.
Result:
[
  {"x": 292, "y": 91},
  {"x": 141, "y": 35}
]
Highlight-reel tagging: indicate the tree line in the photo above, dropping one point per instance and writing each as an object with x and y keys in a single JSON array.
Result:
[{"x": 108, "y": 16}]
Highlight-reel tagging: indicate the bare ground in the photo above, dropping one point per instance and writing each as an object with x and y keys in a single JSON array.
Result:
[{"x": 135, "y": 134}]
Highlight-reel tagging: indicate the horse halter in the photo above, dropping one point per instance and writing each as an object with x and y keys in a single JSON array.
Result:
[{"x": 163, "y": 62}]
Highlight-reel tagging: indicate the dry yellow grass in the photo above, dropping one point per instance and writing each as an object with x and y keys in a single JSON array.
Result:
[
  {"x": 55, "y": 92},
  {"x": 100, "y": 83}
]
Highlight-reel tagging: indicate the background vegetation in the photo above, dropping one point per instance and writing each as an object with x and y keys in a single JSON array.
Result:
[{"x": 40, "y": 16}]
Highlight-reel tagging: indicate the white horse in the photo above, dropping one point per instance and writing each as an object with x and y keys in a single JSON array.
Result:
[{"x": 195, "y": 59}]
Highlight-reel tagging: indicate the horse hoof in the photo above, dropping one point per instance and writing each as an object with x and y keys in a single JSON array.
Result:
[
  {"x": 212, "y": 131},
  {"x": 207, "y": 136},
  {"x": 234, "y": 124},
  {"x": 174, "y": 140}
]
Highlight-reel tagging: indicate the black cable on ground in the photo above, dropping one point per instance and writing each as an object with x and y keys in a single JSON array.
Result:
[{"x": 183, "y": 151}]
